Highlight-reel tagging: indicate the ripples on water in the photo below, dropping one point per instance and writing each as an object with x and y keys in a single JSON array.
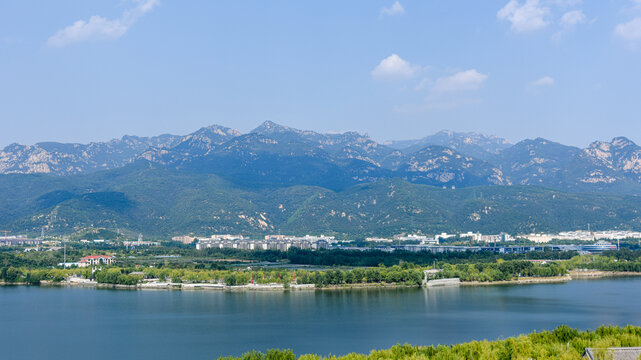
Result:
[{"x": 70, "y": 323}]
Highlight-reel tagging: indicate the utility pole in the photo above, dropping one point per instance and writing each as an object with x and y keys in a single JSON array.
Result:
[
  {"x": 5, "y": 232},
  {"x": 64, "y": 256}
]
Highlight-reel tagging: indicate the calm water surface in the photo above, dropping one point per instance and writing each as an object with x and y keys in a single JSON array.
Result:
[{"x": 76, "y": 323}]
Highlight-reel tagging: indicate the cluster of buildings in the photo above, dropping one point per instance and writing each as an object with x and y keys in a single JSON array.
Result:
[
  {"x": 435, "y": 240},
  {"x": 270, "y": 242},
  {"x": 583, "y": 235},
  {"x": 583, "y": 248},
  {"x": 94, "y": 241},
  {"x": 411, "y": 238},
  {"x": 18, "y": 241},
  {"x": 477, "y": 237},
  {"x": 140, "y": 242},
  {"x": 410, "y": 242}
]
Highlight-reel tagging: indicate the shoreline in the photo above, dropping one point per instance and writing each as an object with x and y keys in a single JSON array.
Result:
[
  {"x": 521, "y": 281},
  {"x": 572, "y": 275},
  {"x": 599, "y": 274}
]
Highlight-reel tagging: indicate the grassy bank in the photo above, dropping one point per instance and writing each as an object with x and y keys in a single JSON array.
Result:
[{"x": 562, "y": 343}]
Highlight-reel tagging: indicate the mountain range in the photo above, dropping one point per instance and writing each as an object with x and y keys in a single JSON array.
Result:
[
  {"x": 279, "y": 179},
  {"x": 277, "y": 155}
]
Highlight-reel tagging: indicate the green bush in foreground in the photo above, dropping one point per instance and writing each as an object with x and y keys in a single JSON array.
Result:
[{"x": 563, "y": 343}]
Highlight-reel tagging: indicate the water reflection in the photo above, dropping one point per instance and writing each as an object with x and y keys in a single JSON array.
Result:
[{"x": 205, "y": 324}]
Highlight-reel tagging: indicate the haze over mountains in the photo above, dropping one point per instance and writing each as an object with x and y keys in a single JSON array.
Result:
[{"x": 277, "y": 155}]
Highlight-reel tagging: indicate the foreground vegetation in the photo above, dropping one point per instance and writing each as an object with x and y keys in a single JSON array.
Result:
[{"x": 563, "y": 343}]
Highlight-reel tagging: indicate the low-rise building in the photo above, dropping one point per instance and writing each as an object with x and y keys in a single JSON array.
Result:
[
  {"x": 245, "y": 244},
  {"x": 444, "y": 236},
  {"x": 378, "y": 239},
  {"x": 410, "y": 237},
  {"x": 184, "y": 239},
  {"x": 18, "y": 240},
  {"x": 472, "y": 236},
  {"x": 140, "y": 243},
  {"x": 95, "y": 260},
  {"x": 537, "y": 238}
]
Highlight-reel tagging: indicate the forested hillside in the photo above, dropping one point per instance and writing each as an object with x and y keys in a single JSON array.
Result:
[{"x": 147, "y": 198}]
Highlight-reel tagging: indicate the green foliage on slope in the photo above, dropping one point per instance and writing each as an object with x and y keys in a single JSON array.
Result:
[
  {"x": 563, "y": 343},
  {"x": 155, "y": 201}
]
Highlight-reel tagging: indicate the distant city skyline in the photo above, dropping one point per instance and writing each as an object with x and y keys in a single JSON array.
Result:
[{"x": 77, "y": 71}]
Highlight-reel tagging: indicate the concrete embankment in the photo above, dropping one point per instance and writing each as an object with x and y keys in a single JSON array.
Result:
[
  {"x": 151, "y": 285},
  {"x": 521, "y": 281},
  {"x": 180, "y": 286},
  {"x": 596, "y": 274},
  {"x": 443, "y": 282},
  {"x": 363, "y": 286}
]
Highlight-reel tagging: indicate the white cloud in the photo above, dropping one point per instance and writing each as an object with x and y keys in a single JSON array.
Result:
[
  {"x": 395, "y": 9},
  {"x": 529, "y": 16},
  {"x": 99, "y": 28},
  {"x": 462, "y": 81},
  {"x": 447, "y": 92},
  {"x": 630, "y": 31},
  {"x": 571, "y": 18},
  {"x": 568, "y": 21},
  {"x": 394, "y": 67},
  {"x": 544, "y": 81}
]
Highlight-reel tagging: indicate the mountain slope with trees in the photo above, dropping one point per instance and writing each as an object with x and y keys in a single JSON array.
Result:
[{"x": 147, "y": 198}]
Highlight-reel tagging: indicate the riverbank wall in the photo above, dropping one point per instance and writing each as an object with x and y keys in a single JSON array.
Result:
[
  {"x": 597, "y": 274},
  {"x": 155, "y": 285},
  {"x": 521, "y": 281}
]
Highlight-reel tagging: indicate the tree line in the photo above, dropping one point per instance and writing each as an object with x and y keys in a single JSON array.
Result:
[{"x": 501, "y": 270}]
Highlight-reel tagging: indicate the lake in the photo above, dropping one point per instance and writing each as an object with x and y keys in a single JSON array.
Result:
[{"x": 87, "y": 323}]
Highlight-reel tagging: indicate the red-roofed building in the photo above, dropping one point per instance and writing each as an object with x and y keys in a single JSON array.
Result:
[{"x": 95, "y": 260}]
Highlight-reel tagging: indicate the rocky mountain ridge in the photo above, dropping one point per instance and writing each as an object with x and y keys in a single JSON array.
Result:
[
  {"x": 480, "y": 146},
  {"x": 69, "y": 159},
  {"x": 277, "y": 155}
]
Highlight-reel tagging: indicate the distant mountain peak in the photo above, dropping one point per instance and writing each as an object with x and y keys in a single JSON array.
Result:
[
  {"x": 205, "y": 139},
  {"x": 622, "y": 141},
  {"x": 217, "y": 130},
  {"x": 469, "y": 143},
  {"x": 617, "y": 143},
  {"x": 472, "y": 134},
  {"x": 538, "y": 141},
  {"x": 270, "y": 127}
]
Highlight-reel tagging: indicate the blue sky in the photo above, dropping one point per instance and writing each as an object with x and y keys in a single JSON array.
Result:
[{"x": 80, "y": 71}]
